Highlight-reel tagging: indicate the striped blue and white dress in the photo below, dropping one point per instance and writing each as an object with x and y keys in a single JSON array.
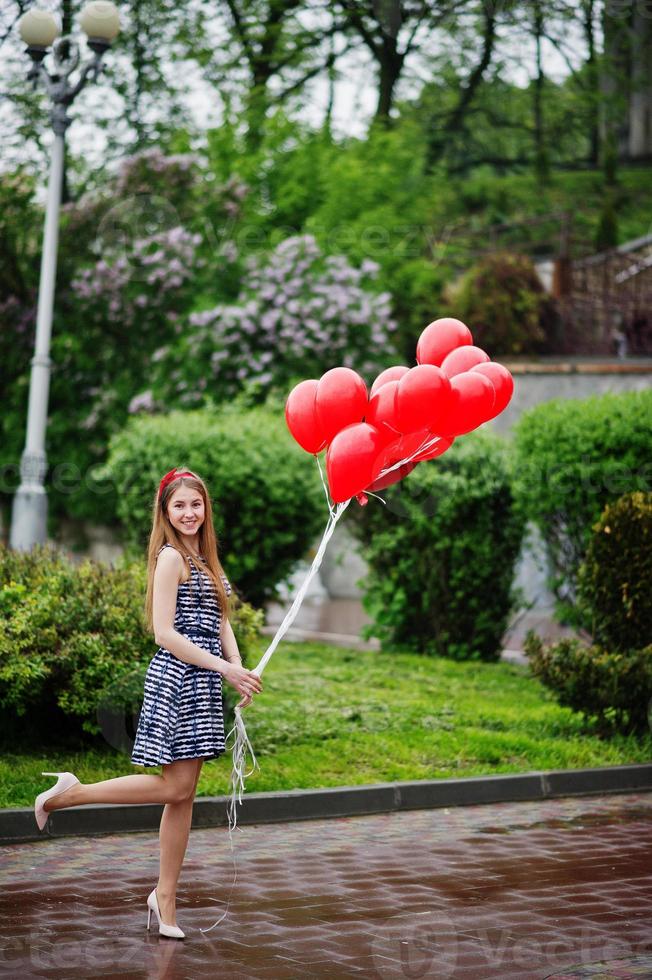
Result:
[{"x": 182, "y": 715}]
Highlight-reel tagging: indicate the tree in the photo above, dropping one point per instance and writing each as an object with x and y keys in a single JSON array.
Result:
[
  {"x": 150, "y": 97},
  {"x": 281, "y": 44},
  {"x": 615, "y": 89},
  {"x": 640, "y": 100},
  {"x": 391, "y": 30},
  {"x": 440, "y": 133}
]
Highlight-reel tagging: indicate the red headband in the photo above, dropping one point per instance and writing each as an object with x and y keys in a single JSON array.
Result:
[{"x": 169, "y": 477}]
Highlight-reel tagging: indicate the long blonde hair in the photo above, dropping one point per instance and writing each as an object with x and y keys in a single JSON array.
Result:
[{"x": 164, "y": 533}]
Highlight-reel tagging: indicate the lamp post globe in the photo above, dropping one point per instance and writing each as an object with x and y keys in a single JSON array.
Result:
[
  {"x": 38, "y": 29},
  {"x": 100, "y": 21}
]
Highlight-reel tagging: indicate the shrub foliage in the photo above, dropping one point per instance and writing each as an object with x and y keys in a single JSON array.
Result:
[
  {"x": 611, "y": 688},
  {"x": 442, "y": 553},
  {"x": 615, "y": 581},
  {"x": 572, "y": 458},
  {"x": 266, "y": 494},
  {"x": 73, "y": 638},
  {"x": 504, "y": 301}
]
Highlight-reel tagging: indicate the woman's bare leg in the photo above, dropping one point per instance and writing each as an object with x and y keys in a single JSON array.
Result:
[
  {"x": 173, "y": 836},
  {"x": 175, "y": 785}
]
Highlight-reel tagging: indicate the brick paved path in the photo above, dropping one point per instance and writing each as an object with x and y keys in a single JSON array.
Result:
[{"x": 511, "y": 890}]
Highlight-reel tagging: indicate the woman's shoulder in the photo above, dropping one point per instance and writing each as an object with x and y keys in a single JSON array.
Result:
[
  {"x": 170, "y": 558},
  {"x": 169, "y": 554}
]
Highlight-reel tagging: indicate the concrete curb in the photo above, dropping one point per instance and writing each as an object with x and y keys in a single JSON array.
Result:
[{"x": 18, "y": 825}]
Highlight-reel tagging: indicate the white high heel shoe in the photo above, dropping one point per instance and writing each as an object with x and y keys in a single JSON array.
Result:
[
  {"x": 64, "y": 782},
  {"x": 164, "y": 930}
]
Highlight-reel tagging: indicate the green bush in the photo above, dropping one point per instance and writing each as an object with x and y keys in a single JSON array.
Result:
[
  {"x": 267, "y": 498},
  {"x": 615, "y": 581},
  {"x": 73, "y": 640},
  {"x": 505, "y": 305},
  {"x": 573, "y": 458},
  {"x": 614, "y": 689},
  {"x": 442, "y": 553}
]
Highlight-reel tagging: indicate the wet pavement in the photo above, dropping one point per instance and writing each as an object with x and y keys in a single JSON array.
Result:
[{"x": 512, "y": 890}]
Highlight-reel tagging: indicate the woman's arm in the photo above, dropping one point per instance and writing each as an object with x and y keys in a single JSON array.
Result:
[
  {"x": 231, "y": 654},
  {"x": 167, "y": 576},
  {"x": 229, "y": 643}
]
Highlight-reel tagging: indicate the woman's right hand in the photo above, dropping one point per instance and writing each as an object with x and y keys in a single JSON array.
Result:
[{"x": 246, "y": 682}]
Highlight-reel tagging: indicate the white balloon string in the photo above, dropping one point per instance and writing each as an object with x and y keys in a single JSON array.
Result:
[
  {"x": 228, "y": 903},
  {"x": 241, "y": 743},
  {"x": 314, "y": 568},
  {"x": 368, "y": 493},
  {"x": 323, "y": 483},
  {"x": 427, "y": 444}
]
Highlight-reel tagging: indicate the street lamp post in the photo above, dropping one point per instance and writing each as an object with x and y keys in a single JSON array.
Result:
[{"x": 38, "y": 29}]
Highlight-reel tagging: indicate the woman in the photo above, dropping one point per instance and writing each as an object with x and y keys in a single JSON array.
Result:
[{"x": 181, "y": 721}]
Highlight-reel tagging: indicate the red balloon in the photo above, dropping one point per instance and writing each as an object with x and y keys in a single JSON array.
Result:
[
  {"x": 438, "y": 449},
  {"x": 423, "y": 396},
  {"x": 473, "y": 402},
  {"x": 463, "y": 359},
  {"x": 394, "y": 477},
  {"x": 401, "y": 449},
  {"x": 502, "y": 381},
  {"x": 341, "y": 400},
  {"x": 439, "y": 338},
  {"x": 408, "y": 444},
  {"x": 354, "y": 459},
  {"x": 390, "y": 374},
  {"x": 381, "y": 411},
  {"x": 301, "y": 417}
]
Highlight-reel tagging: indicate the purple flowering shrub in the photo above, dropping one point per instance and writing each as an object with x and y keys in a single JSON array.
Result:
[
  {"x": 140, "y": 171},
  {"x": 298, "y": 314},
  {"x": 115, "y": 311},
  {"x": 139, "y": 281},
  {"x": 130, "y": 297}
]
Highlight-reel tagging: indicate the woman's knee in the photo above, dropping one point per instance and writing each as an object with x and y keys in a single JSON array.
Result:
[
  {"x": 181, "y": 785},
  {"x": 179, "y": 793}
]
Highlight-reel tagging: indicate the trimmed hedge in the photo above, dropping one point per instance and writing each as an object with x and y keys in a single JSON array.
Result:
[
  {"x": 615, "y": 581},
  {"x": 610, "y": 681},
  {"x": 572, "y": 458},
  {"x": 442, "y": 553},
  {"x": 73, "y": 641},
  {"x": 612, "y": 689},
  {"x": 267, "y": 497}
]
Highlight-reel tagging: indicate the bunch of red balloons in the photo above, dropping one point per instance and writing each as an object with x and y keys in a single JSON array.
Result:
[{"x": 410, "y": 414}]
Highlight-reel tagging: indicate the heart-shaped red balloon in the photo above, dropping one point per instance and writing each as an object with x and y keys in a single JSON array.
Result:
[
  {"x": 463, "y": 359},
  {"x": 301, "y": 416},
  {"x": 502, "y": 381},
  {"x": 341, "y": 400},
  {"x": 472, "y": 404},
  {"x": 437, "y": 450},
  {"x": 439, "y": 338},
  {"x": 381, "y": 411},
  {"x": 400, "y": 449},
  {"x": 423, "y": 397},
  {"x": 390, "y": 374},
  {"x": 395, "y": 476},
  {"x": 354, "y": 459},
  {"x": 405, "y": 446}
]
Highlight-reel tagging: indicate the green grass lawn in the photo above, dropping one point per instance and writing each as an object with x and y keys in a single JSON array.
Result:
[{"x": 330, "y": 716}]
